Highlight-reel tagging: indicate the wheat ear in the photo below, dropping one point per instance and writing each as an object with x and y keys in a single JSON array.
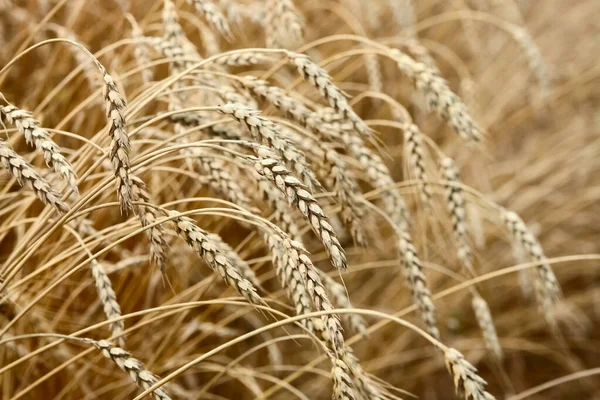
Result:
[
  {"x": 467, "y": 382},
  {"x": 215, "y": 257},
  {"x": 213, "y": 15},
  {"x": 37, "y": 136},
  {"x": 416, "y": 280},
  {"x": 320, "y": 78},
  {"x": 120, "y": 145},
  {"x": 109, "y": 299},
  {"x": 269, "y": 166},
  {"x": 283, "y": 26},
  {"x": 546, "y": 285},
  {"x": 439, "y": 97},
  {"x": 265, "y": 131},
  {"x": 340, "y": 300},
  {"x": 132, "y": 366},
  {"x": 342, "y": 384},
  {"x": 456, "y": 206},
  {"x": 415, "y": 153},
  {"x": 140, "y": 51},
  {"x": 236, "y": 261},
  {"x": 486, "y": 324},
  {"x": 147, "y": 216},
  {"x": 26, "y": 175}
]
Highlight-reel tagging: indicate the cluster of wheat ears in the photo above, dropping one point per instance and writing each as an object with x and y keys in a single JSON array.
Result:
[{"x": 232, "y": 199}]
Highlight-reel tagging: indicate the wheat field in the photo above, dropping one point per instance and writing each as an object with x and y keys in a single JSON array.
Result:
[{"x": 299, "y": 199}]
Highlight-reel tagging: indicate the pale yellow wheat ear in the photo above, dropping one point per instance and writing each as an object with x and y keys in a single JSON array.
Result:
[
  {"x": 39, "y": 137},
  {"x": 547, "y": 288},
  {"x": 132, "y": 366},
  {"x": 140, "y": 49},
  {"x": 109, "y": 299},
  {"x": 486, "y": 325},
  {"x": 416, "y": 280},
  {"x": 455, "y": 203},
  {"x": 268, "y": 165},
  {"x": 320, "y": 79},
  {"x": 439, "y": 97},
  {"x": 120, "y": 145},
  {"x": 468, "y": 383},
  {"x": 283, "y": 27},
  {"x": 27, "y": 176},
  {"x": 209, "y": 10},
  {"x": 215, "y": 256}
]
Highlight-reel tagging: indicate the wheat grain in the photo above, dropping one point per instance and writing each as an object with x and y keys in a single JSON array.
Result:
[
  {"x": 37, "y": 136},
  {"x": 26, "y": 175}
]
